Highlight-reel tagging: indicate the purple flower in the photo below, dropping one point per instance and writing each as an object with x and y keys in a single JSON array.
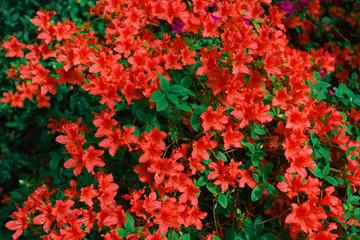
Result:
[
  {"x": 314, "y": 27},
  {"x": 286, "y": 6},
  {"x": 331, "y": 92},
  {"x": 215, "y": 18},
  {"x": 177, "y": 26},
  {"x": 322, "y": 73},
  {"x": 301, "y": 4},
  {"x": 247, "y": 21}
]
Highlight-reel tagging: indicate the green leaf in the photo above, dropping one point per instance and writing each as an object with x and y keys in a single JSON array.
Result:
[
  {"x": 249, "y": 229},
  {"x": 223, "y": 200},
  {"x": 348, "y": 191},
  {"x": 251, "y": 148},
  {"x": 271, "y": 189},
  {"x": 59, "y": 97},
  {"x": 326, "y": 170},
  {"x": 350, "y": 149},
  {"x": 220, "y": 155},
  {"x": 212, "y": 188},
  {"x": 201, "y": 182},
  {"x": 357, "y": 214},
  {"x": 269, "y": 236},
  {"x": 340, "y": 181},
  {"x": 317, "y": 172},
  {"x": 164, "y": 84},
  {"x": 54, "y": 162},
  {"x": 173, "y": 98},
  {"x": 342, "y": 88},
  {"x": 317, "y": 75},
  {"x": 331, "y": 180},
  {"x": 259, "y": 225},
  {"x": 354, "y": 200},
  {"x": 216, "y": 238},
  {"x": 162, "y": 104},
  {"x": 186, "y": 82},
  {"x": 184, "y": 106},
  {"x": 356, "y": 100},
  {"x": 230, "y": 234},
  {"x": 325, "y": 153},
  {"x": 259, "y": 130},
  {"x": 355, "y": 237},
  {"x": 16, "y": 194},
  {"x": 268, "y": 169},
  {"x": 129, "y": 225},
  {"x": 257, "y": 193},
  {"x": 184, "y": 237},
  {"x": 11, "y": 124},
  {"x": 122, "y": 233},
  {"x": 189, "y": 92},
  {"x": 176, "y": 88},
  {"x": 314, "y": 139},
  {"x": 195, "y": 122},
  {"x": 198, "y": 110},
  {"x": 158, "y": 95}
]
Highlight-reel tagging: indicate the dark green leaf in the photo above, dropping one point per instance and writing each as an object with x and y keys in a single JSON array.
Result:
[
  {"x": 162, "y": 104},
  {"x": 195, "y": 122},
  {"x": 220, "y": 155},
  {"x": 16, "y": 194},
  {"x": 186, "y": 82},
  {"x": 317, "y": 172},
  {"x": 271, "y": 189},
  {"x": 173, "y": 98},
  {"x": 259, "y": 225},
  {"x": 198, "y": 110},
  {"x": 184, "y": 237},
  {"x": 331, "y": 180},
  {"x": 223, "y": 200},
  {"x": 129, "y": 224},
  {"x": 257, "y": 193},
  {"x": 326, "y": 170},
  {"x": 54, "y": 162},
  {"x": 185, "y": 107},
  {"x": 350, "y": 149},
  {"x": 269, "y": 236},
  {"x": 189, "y": 92},
  {"x": 248, "y": 223},
  {"x": 122, "y": 233},
  {"x": 230, "y": 234},
  {"x": 251, "y": 148},
  {"x": 11, "y": 124},
  {"x": 249, "y": 229},
  {"x": 212, "y": 188},
  {"x": 314, "y": 139},
  {"x": 317, "y": 75},
  {"x": 354, "y": 200},
  {"x": 340, "y": 181},
  {"x": 268, "y": 169},
  {"x": 356, "y": 100},
  {"x": 201, "y": 182},
  {"x": 325, "y": 153},
  {"x": 158, "y": 95},
  {"x": 176, "y": 88},
  {"x": 164, "y": 84},
  {"x": 259, "y": 130}
]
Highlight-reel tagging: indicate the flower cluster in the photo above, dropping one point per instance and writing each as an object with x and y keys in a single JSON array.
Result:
[{"x": 221, "y": 117}]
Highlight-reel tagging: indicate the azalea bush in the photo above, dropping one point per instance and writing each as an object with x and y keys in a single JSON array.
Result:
[{"x": 200, "y": 119}]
